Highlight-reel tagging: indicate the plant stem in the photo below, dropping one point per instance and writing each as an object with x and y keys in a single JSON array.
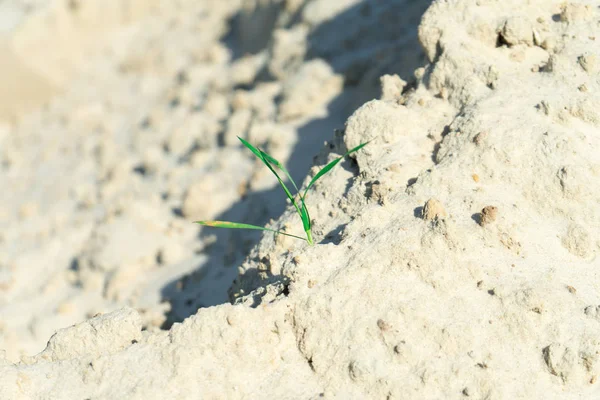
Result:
[{"x": 310, "y": 239}]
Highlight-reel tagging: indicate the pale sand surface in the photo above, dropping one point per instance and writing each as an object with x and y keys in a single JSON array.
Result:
[
  {"x": 456, "y": 255},
  {"x": 23, "y": 90}
]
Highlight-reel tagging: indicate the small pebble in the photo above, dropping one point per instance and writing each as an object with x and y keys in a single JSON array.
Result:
[
  {"x": 480, "y": 138},
  {"x": 488, "y": 215},
  {"x": 434, "y": 210},
  {"x": 382, "y": 325},
  {"x": 589, "y": 63}
]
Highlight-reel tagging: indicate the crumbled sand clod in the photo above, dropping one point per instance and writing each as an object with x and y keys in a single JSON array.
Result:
[
  {"x": 434, "y": 210},
  {"x": 488, "y": 215}
]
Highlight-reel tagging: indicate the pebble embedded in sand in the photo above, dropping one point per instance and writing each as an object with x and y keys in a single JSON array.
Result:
[
  {"x": 379, "y": 193},
  {"x": 592, "y": 312},
  {"x": 383, "y": 326},
  {"x": 488, "y": 215},
  {"x": 479, "y": 139},
  {"x": 589, "y": 63},
  {"x": 444, "y": 93},
  {"x": 434, "y": 210}
]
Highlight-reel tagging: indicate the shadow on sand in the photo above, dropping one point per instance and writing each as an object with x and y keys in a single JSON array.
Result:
[{"x": 361, "y": 43}]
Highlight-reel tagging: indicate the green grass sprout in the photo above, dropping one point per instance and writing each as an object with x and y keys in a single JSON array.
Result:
[{"x": 299, "y": 204}]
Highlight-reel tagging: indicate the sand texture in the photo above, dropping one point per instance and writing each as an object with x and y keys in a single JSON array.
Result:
[{"x": 456, "y": 254}]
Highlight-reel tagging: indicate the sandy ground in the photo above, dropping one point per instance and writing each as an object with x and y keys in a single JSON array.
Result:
[
  {"x": 27, "y": 89},
  {"x": 456, "y": 254}
]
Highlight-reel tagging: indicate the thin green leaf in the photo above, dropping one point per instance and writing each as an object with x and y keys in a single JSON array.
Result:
[
  {"x": 237, "y": 225},
  {"x": 305, "y": 216},
  {"x": 332, "y": 164},
  {"x": 285, "y": 189},
  {"x": 252, "y": 148},
  {"x": 258, "y": 153},
  {"x": 281, "y": 167}
]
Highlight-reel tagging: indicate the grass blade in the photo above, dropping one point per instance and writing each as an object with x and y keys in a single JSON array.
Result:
[
  {"x": 303, "y": 211},
  {"x": 285, "y": 189},
  {"x": 305, "y": 216},
  {"x": 258, "y": 153},
  {"x": 237, "y": 225},
  {"x": 280, "y": 166},
  {"x": 332, "y": 164},
  {"x": 252, "y": 148},
  {"x": 272, "y": 163}
]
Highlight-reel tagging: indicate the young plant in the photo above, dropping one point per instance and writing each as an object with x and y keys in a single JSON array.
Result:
[{"x": 299, "y": 204}]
